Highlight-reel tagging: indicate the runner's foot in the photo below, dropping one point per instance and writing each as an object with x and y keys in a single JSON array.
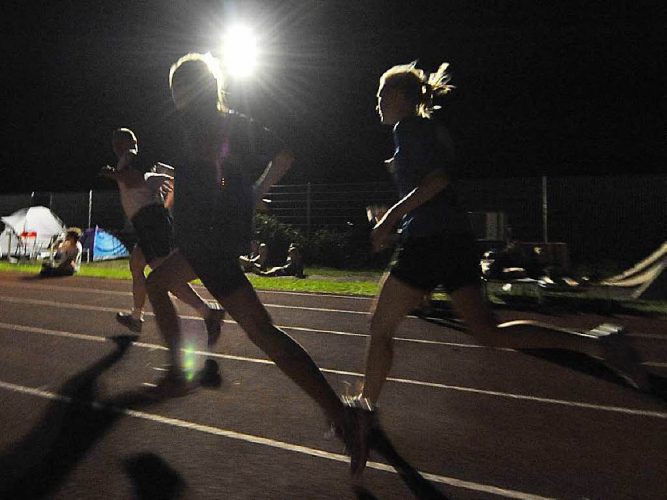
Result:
[
  {"x": 214, "y": 322},
  {"x": 130, "y": 322},
  {"x": 359, "y": 419},
  {"x": 209, "y": 376},
  {"x": 172, "y": 385},
  {"x": 623, "y": 360}
]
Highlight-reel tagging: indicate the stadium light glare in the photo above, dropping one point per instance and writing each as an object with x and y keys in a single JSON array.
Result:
[{"x": 239, "y": 51}]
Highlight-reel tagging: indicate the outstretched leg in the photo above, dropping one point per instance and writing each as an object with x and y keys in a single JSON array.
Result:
[
  {"x": 137, "y": 267},
  {"x": 245, "y": 307},
  {"x": 526, "y": 334},
  {"x": 172, "y": 273},
  {"x": 395, "y": 300},
  {"x": 135, "y": 319},
  {"x": 521, "y": 334}
]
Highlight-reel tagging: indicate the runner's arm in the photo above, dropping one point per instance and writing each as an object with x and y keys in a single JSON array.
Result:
[
  {"x": 432, "y": 184},
  {"x": 274, "y": 171}
]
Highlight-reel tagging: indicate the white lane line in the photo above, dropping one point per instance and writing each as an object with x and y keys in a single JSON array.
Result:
[
  {"x": 200, "y": 287},
  {"x": 641, "y": 335},
  {"x": 433, "y": 385},
  {"x": 55, "y": 288},
  {"x": 400, "y": 339},
  {"x": 102, "y": 291},
  {"x": 266, "y": 304},
  {"x": 262, "y": 441},
  {"x": 83, "y": 307}
]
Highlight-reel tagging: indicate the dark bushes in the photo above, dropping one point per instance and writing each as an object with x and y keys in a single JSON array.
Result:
[{"x": 340, "y": 248}]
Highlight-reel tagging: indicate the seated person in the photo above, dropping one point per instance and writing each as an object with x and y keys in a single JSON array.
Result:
[
  {"x": 67, "y": 258},
  {"x": 293, "y": 266},
  {"x": 255, "y": 261},
  {"x": 505, "y": 264}
]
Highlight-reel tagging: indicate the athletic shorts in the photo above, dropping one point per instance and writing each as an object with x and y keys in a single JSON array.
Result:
[
  {"x": 427, "y": 262},
  {"x": 154, "y": 232},
  {"x": 220, "y": 273}
]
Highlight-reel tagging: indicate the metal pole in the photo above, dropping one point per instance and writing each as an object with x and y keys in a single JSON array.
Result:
[
  {"x": 308, "y": 195},
  {"x": 545, "y": 211},
  {"x": 90, "y": 208}
]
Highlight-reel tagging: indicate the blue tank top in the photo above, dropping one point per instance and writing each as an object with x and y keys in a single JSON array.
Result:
[{"x": 421, "y": 147}]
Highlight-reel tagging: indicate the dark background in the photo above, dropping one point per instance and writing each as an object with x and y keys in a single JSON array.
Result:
[{"x": 542, "y": 87}]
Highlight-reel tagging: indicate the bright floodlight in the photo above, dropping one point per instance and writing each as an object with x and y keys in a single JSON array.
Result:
[{"x": 240, "y": 51}]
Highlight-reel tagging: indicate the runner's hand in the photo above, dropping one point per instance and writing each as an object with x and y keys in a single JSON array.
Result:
[
  {"x": 167, "y": 187},
  {"x": 381, "y": 235}
]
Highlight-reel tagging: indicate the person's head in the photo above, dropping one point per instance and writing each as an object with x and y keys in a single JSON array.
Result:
[
  {"x": 405, "y": 90},
  {"x": 72, "y": 235},
  {"x": 122, "y": 141},
  {"x": 196, "y": 83}
]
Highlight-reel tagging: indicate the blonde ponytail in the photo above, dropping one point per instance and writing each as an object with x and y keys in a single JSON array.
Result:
[{"x": 418, "y": 86}]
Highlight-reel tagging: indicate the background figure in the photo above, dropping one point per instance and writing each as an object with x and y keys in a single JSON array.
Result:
[
  {"x": 437, "y": 246},
  {"x": 292, "y": 267},
  {"x": 256, "y": 260},
  {"x": 67, "y": 257},
  {"x": 141, "y": 196}
]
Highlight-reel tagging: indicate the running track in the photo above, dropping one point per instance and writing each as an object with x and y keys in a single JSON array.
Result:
[{"x": 477, "y": 422}]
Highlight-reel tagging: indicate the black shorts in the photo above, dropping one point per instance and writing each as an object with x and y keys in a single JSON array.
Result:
[
  {"x": 154, "y": 232},
  {"x": 221, "y": 273},
  {"x": 447, "y": 260}
]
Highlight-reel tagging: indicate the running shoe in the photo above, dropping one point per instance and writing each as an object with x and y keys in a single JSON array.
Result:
[
  {"x": 623, "y": 360},
  {"x": 214, "y": 322},
  {"x": 130, "y": 322},
  {"x": 172, "y": 385},
  {"x": 209, "y": 376},
  {"x": 359, "y": 419}
]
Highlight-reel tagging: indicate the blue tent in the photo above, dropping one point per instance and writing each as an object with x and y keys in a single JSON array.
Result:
[{"x": 102, "y": 245}]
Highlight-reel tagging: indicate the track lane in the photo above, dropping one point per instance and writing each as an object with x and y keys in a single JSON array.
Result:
[{"x": 469, "y": 428}]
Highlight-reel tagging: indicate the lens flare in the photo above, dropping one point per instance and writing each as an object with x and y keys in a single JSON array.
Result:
[
  {"x": 239, "y": 49},
  {"x": 190, "y": 362}
]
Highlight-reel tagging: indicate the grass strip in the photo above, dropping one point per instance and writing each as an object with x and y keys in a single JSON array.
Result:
[
  {"x": 318, "y": 280},
  {"x": 365, "y": 283}
]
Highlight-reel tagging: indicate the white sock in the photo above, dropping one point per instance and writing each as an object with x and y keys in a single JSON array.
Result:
[{"x": 138, "y": 314}]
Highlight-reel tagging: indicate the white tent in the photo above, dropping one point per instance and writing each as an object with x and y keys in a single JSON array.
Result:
[{"x": 29, "y": 231}]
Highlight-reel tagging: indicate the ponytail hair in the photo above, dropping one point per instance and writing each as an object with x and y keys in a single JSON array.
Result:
[{"x": 418, "y": 86}]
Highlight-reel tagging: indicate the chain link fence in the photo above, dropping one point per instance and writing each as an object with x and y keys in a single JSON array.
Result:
[{"x": 617, "y": 218}]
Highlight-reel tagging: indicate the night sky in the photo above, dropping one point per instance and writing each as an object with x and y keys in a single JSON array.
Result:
[{"x": 542, "y": 87}]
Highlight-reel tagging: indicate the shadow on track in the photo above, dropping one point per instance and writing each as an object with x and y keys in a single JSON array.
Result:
[
  {"x": 35, "y": 466},
  {"x": 153, "y": 478},
  {"x": 420, "y": 487},
  {"x": 596, "y": 368}
]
